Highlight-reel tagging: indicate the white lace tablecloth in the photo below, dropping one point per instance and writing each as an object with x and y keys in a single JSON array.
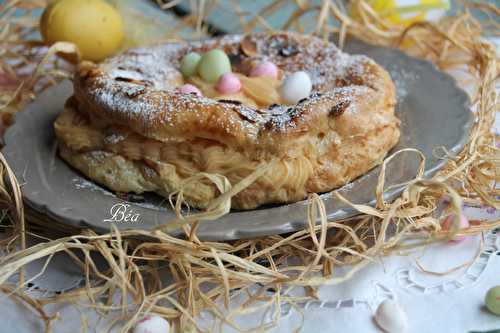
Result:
[{"x": 433, "y": 302}]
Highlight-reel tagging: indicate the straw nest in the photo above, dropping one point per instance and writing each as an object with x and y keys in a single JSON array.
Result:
[{"x": 208, "y": 275}]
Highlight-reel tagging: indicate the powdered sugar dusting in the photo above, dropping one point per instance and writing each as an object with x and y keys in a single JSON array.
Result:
[
  {"x": 114, "y": 138},
  {"x": 139, "y": 85},
  {"x": 403, "y": 79},
  {"x": 336, "y": 101},
  {"x": 138, "y": 200},
  {"x": 83, "y": 184},
  {"x": 156, "y": 66}
]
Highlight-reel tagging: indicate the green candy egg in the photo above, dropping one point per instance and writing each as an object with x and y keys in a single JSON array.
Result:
[
  {"x": 213, "y": 64},
  {"x": 492, "y": 300},
  {"x": 189, "y": 64}
]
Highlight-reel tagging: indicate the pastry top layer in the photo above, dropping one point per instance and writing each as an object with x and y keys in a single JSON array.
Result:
[{"x": 136, "y": 89}]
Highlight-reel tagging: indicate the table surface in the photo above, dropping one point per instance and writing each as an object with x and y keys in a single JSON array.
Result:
[{"x": 433, "y": 302}]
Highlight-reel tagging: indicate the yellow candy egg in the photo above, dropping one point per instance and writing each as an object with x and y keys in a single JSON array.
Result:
[
  {"x": 93, "y": 25},
  {"x": 406, "y": 12}
]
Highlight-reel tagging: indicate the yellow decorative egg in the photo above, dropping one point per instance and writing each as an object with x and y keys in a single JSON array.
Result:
[
  {"x": 93, "y": 25},
  {"x": 406, "y": 12}
]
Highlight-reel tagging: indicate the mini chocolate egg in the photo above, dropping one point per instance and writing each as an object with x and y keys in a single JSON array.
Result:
[
  {"x": 295, "y": 87},
  {"x": 189, "y": 89},
  {"x": 265, "y": 68},
  {"x": 390, "y": 317},
  {"x": 213, "y": 64},
  {"x": 492, "y": 300},
  {"x": 189, "y": 64},
  {"x": 228, "y": 83},
  {"x": 152, "y": 324},
  {"x": 448, "y": 223}
]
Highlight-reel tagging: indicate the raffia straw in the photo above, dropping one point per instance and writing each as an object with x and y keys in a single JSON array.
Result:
[
  {"x": 468, "y": 263},
  {"x": 11, "y": 196},
  {"x": 207, "y": 276}
]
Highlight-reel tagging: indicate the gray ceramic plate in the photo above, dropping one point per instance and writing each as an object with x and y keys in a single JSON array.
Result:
[{"x": 434, "y": 113}]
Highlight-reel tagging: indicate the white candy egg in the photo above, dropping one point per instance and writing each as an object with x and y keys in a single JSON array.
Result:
[
  {"x": 295, "y": 87},
  {"x": 390, "y": 317},
  {"x": 152, "y": 324}
]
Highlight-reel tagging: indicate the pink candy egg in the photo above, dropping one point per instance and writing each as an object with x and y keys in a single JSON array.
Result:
[
  {"x": 189, "y": 89},
  {"x": 448, "y": 222},
  {"x": 228, "y": 83},
  {"x": 265, "y": 68}
]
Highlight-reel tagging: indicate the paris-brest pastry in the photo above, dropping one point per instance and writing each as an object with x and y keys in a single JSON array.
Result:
[{"x": 151, "y": 118}]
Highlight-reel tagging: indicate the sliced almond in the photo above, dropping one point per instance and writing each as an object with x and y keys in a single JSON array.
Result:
[
  {"x": 248, "y": 46},
  {"x": 261, "y": 89},
  {"x": 240, "y": 97}
]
